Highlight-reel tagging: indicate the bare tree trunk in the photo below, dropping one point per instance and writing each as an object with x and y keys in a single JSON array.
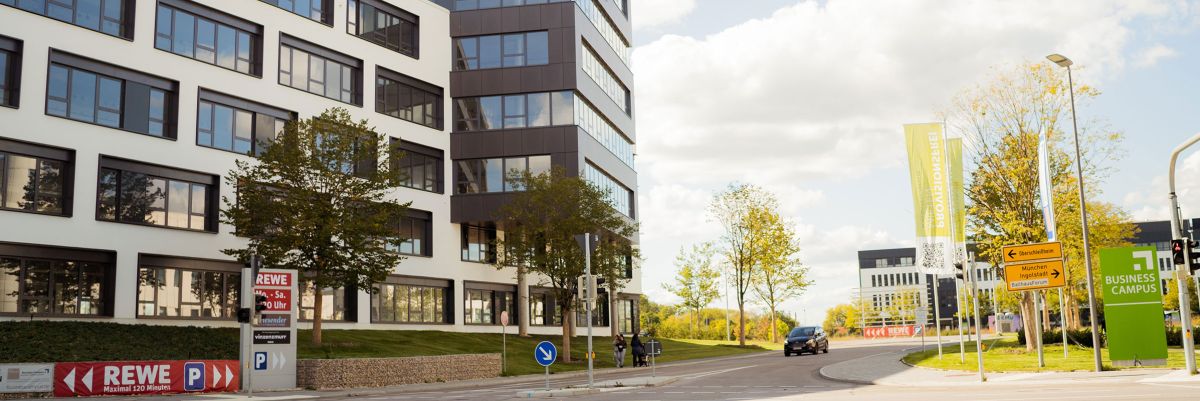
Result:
[
  {"x": 741, "y": 324},
  {"x": 1027, "y": 320},
  {"x": 318, "y": 304},
  {"x": 771, "y": 336},
  {"x": 614, "y": 326},
  {"x": 567, "y": 332},
  {"x": 523, "y": 303}
]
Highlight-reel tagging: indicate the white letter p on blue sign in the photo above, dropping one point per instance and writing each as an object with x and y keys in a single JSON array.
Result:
[
  {"x": 260, "y": 361},
  {"x": 194, "y": 372}
]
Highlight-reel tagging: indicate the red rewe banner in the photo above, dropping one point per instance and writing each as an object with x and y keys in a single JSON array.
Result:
[
  {"x": 890, "y": 331},
  {"x": 273, "y": 280},
  {"x": 83, "y": 379}
]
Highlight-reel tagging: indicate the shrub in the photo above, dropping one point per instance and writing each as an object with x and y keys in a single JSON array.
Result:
[
  {"x": 46, "y": 341},
  {"x": 1080, "y": 337}
]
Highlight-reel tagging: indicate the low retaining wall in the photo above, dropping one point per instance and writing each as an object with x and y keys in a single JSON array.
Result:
[{"x": 381, "y": 372}]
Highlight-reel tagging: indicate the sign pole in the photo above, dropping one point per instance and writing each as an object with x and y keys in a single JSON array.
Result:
[
  {"x": 1037, "y": 319},
  {"x": 547, "y": 377},
  {"x": 503, "y": 348},
  {"x": 978, "y": 326},
  {"x": 591, "y": 295},
  {"x": 937, "y": 315},
  {"x": 962, "y": 346},
  {"x": 1062, "y": 321}
]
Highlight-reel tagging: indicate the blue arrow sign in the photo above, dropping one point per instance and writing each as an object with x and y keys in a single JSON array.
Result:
[{"x": 545, "y": 353}]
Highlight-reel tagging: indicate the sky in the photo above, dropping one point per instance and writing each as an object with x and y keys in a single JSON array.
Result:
[{"x": 807, "y": 99}]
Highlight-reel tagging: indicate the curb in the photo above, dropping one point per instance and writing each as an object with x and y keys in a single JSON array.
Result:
[{"x": 566, "y": 392}]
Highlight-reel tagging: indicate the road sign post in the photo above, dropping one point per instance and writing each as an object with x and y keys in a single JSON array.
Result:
[
  {"x": 1033, "y": 267},
  {"x": 653, "y": 348},
  {"x": 545, "y": 354},
  {"x": 503, "y": 341}
]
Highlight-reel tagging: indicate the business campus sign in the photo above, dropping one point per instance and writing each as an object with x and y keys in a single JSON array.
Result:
[
  {"x": 1133, "y": 311},
  {"x": 83, "y": 379}
]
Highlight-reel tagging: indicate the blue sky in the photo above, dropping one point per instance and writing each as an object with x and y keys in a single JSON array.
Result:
[{"x": 807, "y": 99}]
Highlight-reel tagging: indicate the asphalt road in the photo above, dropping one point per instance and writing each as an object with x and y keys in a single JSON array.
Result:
[{"x": 771, "y": 376}]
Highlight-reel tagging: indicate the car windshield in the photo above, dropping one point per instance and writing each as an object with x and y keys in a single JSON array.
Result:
[{"x": 802, "y": 332}]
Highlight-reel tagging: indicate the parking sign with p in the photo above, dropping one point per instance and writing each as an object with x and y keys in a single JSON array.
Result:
[
  {"x": 260, "y": 361},
  {"x": 193, "y": 373}
]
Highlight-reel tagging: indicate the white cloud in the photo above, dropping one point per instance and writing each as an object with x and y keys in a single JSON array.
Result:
[
  {"x": 651, "y": 13},
  {"x": 1152, "y": 55},
  {"x": 1150, "y": 202},
  {"x": 818, "y": 91}
]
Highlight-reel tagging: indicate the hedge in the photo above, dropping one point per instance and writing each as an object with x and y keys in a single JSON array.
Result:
[
  {"x": 1083, "y": 337},
  {"x": 46, "y": 341}
]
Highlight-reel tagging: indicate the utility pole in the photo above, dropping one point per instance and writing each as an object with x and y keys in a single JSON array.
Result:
[{"x": 1183, "y": 272}]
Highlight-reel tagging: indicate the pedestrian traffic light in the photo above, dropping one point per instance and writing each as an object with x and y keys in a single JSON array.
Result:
[
  {"x": 260, "y": 303},
  {"x": 243, "y": 315},
  {"x": 1177, "y": 253}
]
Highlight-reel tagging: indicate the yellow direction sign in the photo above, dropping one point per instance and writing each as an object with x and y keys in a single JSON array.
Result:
[
  {"x": 1027, "y": 252},
  {"x": 1035, "y": 275}
]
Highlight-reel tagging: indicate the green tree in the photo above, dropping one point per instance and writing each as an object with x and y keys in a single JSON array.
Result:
[
  {"x": 540, "y": 224},
  {"x": 1171, "y": 300},
  {"x": 695, "y": 279},
  {"x": 316, "y": 201},
  {"x": 781, "y": 276},
  {"x": 735, "y": 209},
  {"x": 842, "y": 318},
  {"x": 1000, "y": 122}
]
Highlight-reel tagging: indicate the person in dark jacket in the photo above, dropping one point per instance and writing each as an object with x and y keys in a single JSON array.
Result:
[{"x": 639, "y": 351}]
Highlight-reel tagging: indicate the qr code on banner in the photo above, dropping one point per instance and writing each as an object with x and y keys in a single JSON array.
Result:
[{"x": 932, "y": 255}]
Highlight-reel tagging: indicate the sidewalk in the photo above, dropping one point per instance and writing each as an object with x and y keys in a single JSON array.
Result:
[{"x": 887, "y": 369}]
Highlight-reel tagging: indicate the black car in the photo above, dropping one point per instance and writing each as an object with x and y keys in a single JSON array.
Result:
[{"x": 806, "y": 339}]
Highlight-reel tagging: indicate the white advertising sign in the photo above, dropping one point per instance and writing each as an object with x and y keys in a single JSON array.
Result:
[{"x": 26, "y": 378}]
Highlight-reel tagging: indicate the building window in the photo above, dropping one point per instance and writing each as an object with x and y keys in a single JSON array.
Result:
[
  {"x": 501, "y": 51},
  {"x": 608, "y": 30},
  {"x": 543, "y": 310},
  {"x": 490, "y": 175},
  {"x": 401, "y": 303},
  {"x": 93, "y": 92},
  {"x": 603, "y": 76},
  {"x": 112, "y": 17},
  {"x": 130, "y": 192},
  {"x": 599, "y": 314},
  {"x": 484, "y": 306},
  {"x": 477, "y": 243},
  {"x": 334, "y": 303},
  {"x": 408, "y": 99},
  {"x": 415, "y": 231},
  {"x": 626, "y": 315},
  {"x": 882, "y": 262},
  {"x": 240, "y": 126},
  {"x": 35, "y": 178},
  {"x": 514, "y": 111},
  {"x": 619, "y": 196},
  {"x": 420, "y": 167},
  {"x": 460, "y": 5},
  {"x": 188, "y": 293},
  {"x": 51, "y": 281},
  {"x": 603, "y": 131},
  {"x": 906, "y": 261},
  {"x": 207, "y": 35},
  {"x": 319, "y": 71},
  {"x": 383, "y": 24},
  {"x": 10, "y": 71},
  {"x": 316, "y": 10}
]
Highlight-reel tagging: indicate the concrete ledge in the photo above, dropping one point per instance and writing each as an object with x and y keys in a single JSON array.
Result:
[
  {"x": 657, "y": 381},
  {"x": 559, "y": 393}
]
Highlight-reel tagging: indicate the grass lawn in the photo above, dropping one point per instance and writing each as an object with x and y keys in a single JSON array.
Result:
[
  {"x": 1006, "y": 355},
  {"x": 383, "y": 344}
]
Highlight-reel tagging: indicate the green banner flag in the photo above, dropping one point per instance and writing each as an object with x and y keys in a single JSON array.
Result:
[
  {"x": 1133, "y": 311},
  {"x": 931, "y": 209}
]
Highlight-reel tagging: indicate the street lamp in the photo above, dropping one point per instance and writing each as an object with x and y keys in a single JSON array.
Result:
[{"x": 1065, "y": 62}]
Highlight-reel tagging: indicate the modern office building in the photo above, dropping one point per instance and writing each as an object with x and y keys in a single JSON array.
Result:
[
  {"x": 536, "y": 84},
  {"x": 883, "y": 274},
  {"x": 121, "y": 118}
]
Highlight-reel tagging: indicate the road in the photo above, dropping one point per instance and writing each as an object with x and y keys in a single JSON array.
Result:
[{"x": 771, "y": 376}]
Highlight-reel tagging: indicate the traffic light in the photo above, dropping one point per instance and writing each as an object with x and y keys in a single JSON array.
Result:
[
  {"x": 243, "y": 315},
  {"x": 1194, "y": 254},
  {"x": 958, "y": 271},
  {"x": 1177, "y": 252},
  {"x": 260, "y": 303}
]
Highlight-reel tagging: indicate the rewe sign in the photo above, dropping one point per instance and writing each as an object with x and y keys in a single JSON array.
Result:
[
  {"x": 144, "y": 377},
  {"x": 890, "y": 331}
]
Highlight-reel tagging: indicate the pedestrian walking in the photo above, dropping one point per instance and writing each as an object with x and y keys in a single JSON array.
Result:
[
  {"x": 639, "y": 351},
  {"x": 619, "y": 350}
]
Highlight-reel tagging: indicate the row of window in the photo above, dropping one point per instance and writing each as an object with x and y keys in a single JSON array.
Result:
[
  {"x": 461, "y": 5},
  {"x": 603, "y": 76},
  {"x": 181, "y": 288},
  {"x": 596, "y": 125},
  {"x": 501, "y": 51},
  {"x": 894, "y": 262},
  {"x": 608, "y": 30},
  {"x": 894, "y": 279},
  {"x": 199, "y": 32},
  {"x": 479, "y": 176},
  {"x": 620, "y": 197}
]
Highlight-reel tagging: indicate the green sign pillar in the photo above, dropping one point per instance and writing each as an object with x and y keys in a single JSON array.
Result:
[{"x": 1133, "y": 311}]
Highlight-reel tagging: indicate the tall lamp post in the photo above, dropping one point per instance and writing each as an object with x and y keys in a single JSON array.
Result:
[{"x": 1065, "y": 62}]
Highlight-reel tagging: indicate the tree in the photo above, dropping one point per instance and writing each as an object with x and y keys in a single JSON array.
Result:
[
  {"x": 696, "y": 278},
  {"x": 843, "y": 318},
  {"x": 540, "y": 224},
  {"x": 781, "y": 276},
  {"x": 316, "y": 201},
  {"x": 1000, "y": 122},
  {"x": 1171, "y": 300},
  {"x": 734, "y": 209}
]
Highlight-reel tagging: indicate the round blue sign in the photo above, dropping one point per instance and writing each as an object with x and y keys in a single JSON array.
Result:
[{"x": 545, "y": 353}]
